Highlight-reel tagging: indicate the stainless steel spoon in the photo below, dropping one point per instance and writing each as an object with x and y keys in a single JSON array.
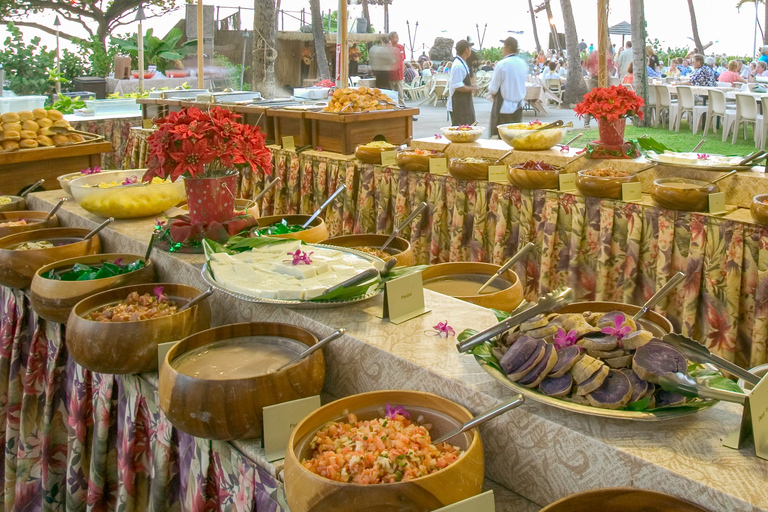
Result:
[
  {"x": 323, "y": 206},
  {"x": 482, "y": 418},
  {"x": 55, "y": 208},
  {"x": 266, "y": 189},
  {"x": 514, "y": 259},
  {"x": 32, "y": 188},
  {"x": 416, "y": 211},
  {"x": 671, "y": 284},
  {"x": 726, "y": 175},
  {"x": 197, "y": 299},
  {"x": 99, "y": 228},
  {"x": 311, "y": 350}
]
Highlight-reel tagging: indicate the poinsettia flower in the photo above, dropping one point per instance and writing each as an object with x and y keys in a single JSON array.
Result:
[
  {"x": 563, "y": 339},
  {"x": 443, "y": 329},
  {"x": 392, "y": 412},
  {"x": 191, "y": 159},
  {"x": 617, "y": 330}
]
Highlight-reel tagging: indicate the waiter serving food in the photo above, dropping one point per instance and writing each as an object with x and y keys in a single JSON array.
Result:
[
  {"x": 507, "y": 87},
  {"x": 460, "y": 88}
]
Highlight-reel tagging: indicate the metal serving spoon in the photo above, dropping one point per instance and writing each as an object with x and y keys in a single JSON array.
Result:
[
  {"x": 55, "y": 208},
  {"x": 197, "y": 299},
  {"x": 726, "y": 175},
  {"x": 668, "y": 287},
  {"x": 266, "y": 189},
  {"x": 514, "y": 259},
  {"x": 323, "y": 206},
  {"x": 482, "y": 418},
  {"x": 416, "y": 211},
  {"x": 32, "y": 188},
  {"x": 311, "y": 350},
  {"x": 99, "y": 228}
]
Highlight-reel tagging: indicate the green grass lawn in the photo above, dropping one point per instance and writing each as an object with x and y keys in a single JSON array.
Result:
[{"x": 683, "y": 140}]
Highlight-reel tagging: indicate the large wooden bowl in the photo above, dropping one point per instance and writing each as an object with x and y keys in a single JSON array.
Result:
[
  {"x": 232, "y": 409},
  {"x": 506, "y": 300},
  {"x": 131, "y": 347},
  {"x": 315, "y": 233},
  {"x": 531, "y": 178},
  {"x": 53, "y": 300},
  {"x": 622, "y": 500},
  {"x": 666, "y": 194},
  {"x": 17, "y": 268},
  {"x": 759, "y": 209},
  {"x": 417, "y": 162},
  {"x": 463, "y": 479},
  {"x": 462, "y": 169},
  {"x": 400, "y": 248},
  {"x": 602, "y": 186},
  {"x": 34, "y": 221},
  {"x": 651, "y": 321},
  {"x": 371, "y": 155},
  {"x": 17, "y": 203}
]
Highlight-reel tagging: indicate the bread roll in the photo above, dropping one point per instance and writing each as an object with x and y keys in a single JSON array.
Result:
[
  {"x": 46, "y": 131},
  {"x": 28, "y": 143},
  {"x": 54, "y": 115},
  {"x": 75, "y": 137},
  {"x": 30, "y": 125},
  {"x": 11, "y": 135},
  {"x": 12, "y": 127},
  {"x": 10, "y": 117},
  {"x": 26, "y": 115},
  {"x": 9, "y": 145},
  {"x": 42, "y": 140},
  {"x": 40, "y": 113},
  {"x": 44, "y": 122},
  {"x": 61, "y": 123},
  {"x": 61, "y": 140},
  {"x": 28, "y": 134}
]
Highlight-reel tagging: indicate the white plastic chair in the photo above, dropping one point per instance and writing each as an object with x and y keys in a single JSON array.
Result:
[
  {"x": 724, "y": 84},
  {"x": 718, "y": 107},
  {"x": 764, "y": 122},
  {"x": 664, "y": 103},
  {"x": 629, "y": 86},
  {"x": 746, "y": 114},
  {"x": 556, "y": 88},
  {"x": 651, "y": 105}
]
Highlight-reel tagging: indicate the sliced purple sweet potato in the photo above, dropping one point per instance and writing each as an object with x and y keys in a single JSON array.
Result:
[
  {"x": 566, "y": 358},
  {"x": 557, "y": 386},
  {"x": 518, "y": 353},
  {"x": 539, "y": 372},
  {"x": 521, "y": 370},
  {"x": 639, "y": 386},
  {"x": 666, "y": 398},
  {"x": 594, "y": 382},
  {"x": 615, "y": 392},
  {"x": 655, "y": 359},
  {"x": 598, "y": 341}
]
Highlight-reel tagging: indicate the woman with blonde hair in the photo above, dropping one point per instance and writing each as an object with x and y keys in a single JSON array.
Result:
[{"x": 653, "y": 60}]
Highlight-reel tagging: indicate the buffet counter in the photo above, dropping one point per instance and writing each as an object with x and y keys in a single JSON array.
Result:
[
  {"x": 115, "y": 128},
  {"x": 538, "y": 452}
]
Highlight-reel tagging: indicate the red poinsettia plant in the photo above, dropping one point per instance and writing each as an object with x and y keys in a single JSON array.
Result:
[
  {"x": 611, "y": 103},
  {"x": 195, "y": 143}
]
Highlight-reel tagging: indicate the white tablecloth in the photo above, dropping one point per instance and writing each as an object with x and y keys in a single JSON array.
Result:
[{"x": 132, "y": 84}]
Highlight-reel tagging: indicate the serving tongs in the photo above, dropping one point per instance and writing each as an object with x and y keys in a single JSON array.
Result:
[
  {"x": 323, "y": 206},
  {"x": 481, "y": 418},
  {"x": 753, "y": 157},
  {"x": 197, "y": 299},
  {"x": 404, "y": 144},
  {"x": 550, "y": 302},
  {"x": 32, "y": 188},
  {"x": 55, "y": 209},
  {"x": 688, "y": 386},
  {"x": 663, "y": 292},
  {"x": 314, "y": 348},
  {"x": 415, "y": 213},
  {"x": 514, "y": 259},
  {"x": 700, "y": 354},
  {"x": 555, "y": 124},
  {"x": 98, "y": 228}
]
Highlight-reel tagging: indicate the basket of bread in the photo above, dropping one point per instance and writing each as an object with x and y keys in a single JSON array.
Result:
[
  {"x": 39, "y": 128},
  {"x": 360, "y": 99}
]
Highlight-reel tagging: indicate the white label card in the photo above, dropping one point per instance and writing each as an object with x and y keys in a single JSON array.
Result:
[{"x": 281, "y": 419}]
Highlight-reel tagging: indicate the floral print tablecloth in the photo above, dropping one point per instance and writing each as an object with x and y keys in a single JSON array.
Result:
[
  {"x": 77, "y": 440},
  {"x": 116, "y": 131}
]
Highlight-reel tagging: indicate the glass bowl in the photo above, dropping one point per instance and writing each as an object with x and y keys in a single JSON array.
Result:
[
  {"x": 463, "y": 133},
  {"x": 682, "y": 194},
  {"x": 608, "y": 187},
  {"x": 522, "y": 136}
]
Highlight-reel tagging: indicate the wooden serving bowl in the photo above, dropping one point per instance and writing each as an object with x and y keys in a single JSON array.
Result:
[
  {"x": 232, "y": 408},
  {"x": 463, "y": 170},
  {"x": 506, "y": 300},
  {"x": 602, "y": 186},
  {"x": 36, "y": 219},
  {"x": 17, "y": 268},
  {"x": 53, "y": 300},
  {"x": 414, "y": 162},
  {"x": 315, "y": 233},
  {"x": 400, "y": 247},
  {"x": 652, "y": 322},
  {"x": 671, "y": 197},
  {"x": 530, "y": 178},
  {"x": 622, "y": 499},
  {"x": 463, "y": 479},
  {"x": 371, "y": 155},
  {"x": 131, "y": 347},
  {"x": 759, "y": 209},
  {"x": 17, "y": 203}
]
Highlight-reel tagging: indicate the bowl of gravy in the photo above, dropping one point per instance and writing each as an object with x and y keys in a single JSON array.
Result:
[
  {"x": 462, "y": 280},
  {"x": 682, "y": 194}
]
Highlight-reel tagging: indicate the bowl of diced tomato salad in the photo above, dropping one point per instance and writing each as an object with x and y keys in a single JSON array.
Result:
[{"x": 375, "y": 450}]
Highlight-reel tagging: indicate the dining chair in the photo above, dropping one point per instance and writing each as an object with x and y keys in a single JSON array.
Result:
[
  {"x": 718, "y": 107},
  {"x": 556, "y": 88},
  {"x": 664, "y": 104},
  {"x": 629, "y": 86},
  {"x": 651, "y": 106},
  {"x": 724, "y": 84},
  {"x": 746, "y": 114},
  {"x": 764, "y": 122}
]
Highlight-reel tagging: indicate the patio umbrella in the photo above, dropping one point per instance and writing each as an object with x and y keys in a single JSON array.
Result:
[{"x": 621, "y": 29}]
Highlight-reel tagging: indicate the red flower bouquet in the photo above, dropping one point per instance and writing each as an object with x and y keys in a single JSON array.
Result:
[
  {"x": 610, "y": 103},
  {"x": 197, "y": 144}
]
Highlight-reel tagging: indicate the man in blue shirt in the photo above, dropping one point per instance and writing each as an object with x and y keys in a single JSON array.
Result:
[
  {"x": 702, "y": 75},
  {"x": 764, "y": 54}
]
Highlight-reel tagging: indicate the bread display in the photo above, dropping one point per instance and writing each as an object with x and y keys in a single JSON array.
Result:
[
  {"x": 43, "y": 140},
  {"x": 40, "y": 113},
  {"x": 54, "y": 115},
  {"x": 9, "y": 145},
  {"x": 30, "y": 125},
  {"x": 11, "y": 127},
  {"x": 28, "y": 134},
  {"x": 11, "y": 135},
  {"x": 361, "y": 99},
  {"x": 38, "y": 128},
  {"x": 10, "y": 117},
  {"x": 25, "y": 115},
  {"x": 28, "y": 143}
]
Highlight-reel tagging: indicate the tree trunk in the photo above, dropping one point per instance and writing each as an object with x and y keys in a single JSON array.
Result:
[
  {"x": 367, "y": 15},
  {"x": 323, "y": 72},
  {"x": 552, "y": 29},
  {"x": 695, "y": 27},
  {"x": 264, "y": 47},
  {"x": 575, "y": 86},
  {"x": 765, "y": 24},
  {"x": 639, "y": 66},
  {"x": 535, "y": 30}
]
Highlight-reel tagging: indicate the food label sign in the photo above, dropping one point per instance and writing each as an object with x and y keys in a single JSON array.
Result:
[
  {"x": 389, "y": 158},
  {"x": 289, "y": 144},
  {"x": 438, "y": 166},
  {"x": 631, "y": 192},
  {"x": 404, "y": 298},
  {"x": 279, "y": 422},
  {"x": 567, "y": 182},
  {"x": 498, "y": 174},
  {"x": 483, "y": 502}
]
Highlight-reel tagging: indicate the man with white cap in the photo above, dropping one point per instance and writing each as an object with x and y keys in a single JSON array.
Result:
[{"x": 507, "y": 87}]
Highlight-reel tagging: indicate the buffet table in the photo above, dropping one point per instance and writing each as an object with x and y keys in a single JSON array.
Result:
[
  {"x": 132, "y": 84},
  {"x": 115, "y": 128},
  {"x": 62, "y": 423}
]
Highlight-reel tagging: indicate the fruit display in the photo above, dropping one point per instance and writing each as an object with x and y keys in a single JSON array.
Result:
[
  {"x": 361, "y": 99},
  {"x": 36, "y": 128},
  {"x": 527, "y": 136}
]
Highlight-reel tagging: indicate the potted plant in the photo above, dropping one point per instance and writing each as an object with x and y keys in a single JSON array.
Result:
[
  {"x": 611, "y": 106},
  {"x": 207, "y": 148}
]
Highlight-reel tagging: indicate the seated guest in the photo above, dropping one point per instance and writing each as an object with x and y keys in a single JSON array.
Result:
[
  {"x": 562, "y": 70},
  {"x": 628, "y": 76},
  {"x": 652, "y": 73},
  {"x": 703, "y": 75},
  {"x": 722, "y": 67},
  {"x": 552, "y": 73},
  {"x": 744, "y": 70},
  {"x": 710, "y": 61},
  {"x": 674, "y": 71},
  {"x": 732, "y": 76},
  {"x": 685, "y": 68},
  {"x": 762, "y": 69},
  {"x": 409, "y": 74},
  {"x": 426, "y": 69}
]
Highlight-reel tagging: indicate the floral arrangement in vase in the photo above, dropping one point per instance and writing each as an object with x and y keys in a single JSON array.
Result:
[
  {"x": 611, "y": 106},
  {"x": 206, "y": 148}
]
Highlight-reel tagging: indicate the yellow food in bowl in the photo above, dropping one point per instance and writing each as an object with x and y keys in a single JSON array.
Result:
[
  {"x": 521, "y": 136},
  {"x": 155, "y": 181},
  {"x": 133, "y": 201},
  {"x": 5, "y": 200}
]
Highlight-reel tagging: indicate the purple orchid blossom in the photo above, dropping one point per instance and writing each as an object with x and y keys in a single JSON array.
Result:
[
  {"x": 118, "y": 261},
  {"x": 564, "y": 148},
  {"x": 442, "y": 328},
  {"x": 131, "y": 180},
  {"x": 398, "y": 409},
  {"x": 438, "y": 136},
  {"x": 563, "y": 339},
  {"x": 300, "y": 257},
  {"x": 158, "y": 291},
  {"x": 702, "y": 156},
  {"x": 91, "y": 170},
  {"x": 617, "y": 330}
]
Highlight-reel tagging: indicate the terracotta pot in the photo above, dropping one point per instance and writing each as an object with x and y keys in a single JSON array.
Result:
[
  {"x": 212, "y": 199},
  {"x": 612, "y": 132}
]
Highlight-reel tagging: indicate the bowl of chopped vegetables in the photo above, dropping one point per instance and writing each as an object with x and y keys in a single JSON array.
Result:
[
  {"x": 370, "y": 243},
  {"x": 375, "y": 448},
  {"x": 117, "y": 331},
  {"x": 289, "y": 226},
  {"x": 371, "y": 153},
  {"x": 22, "y": 254},
  {"x": 463, "y": 133},
  {"x": 469, "y": 168},
  {"x": 604, "y": 181},
  {"x": 25, "y": 220},
  {"x": 122, "y": 194},
  {"x": 526, "y": 136},
  {"x": 417, "y": 160},
  {"x": 57, "y": 287},
  {"x": 534, "y": 174},
  {"x": 12, "y": 203}
]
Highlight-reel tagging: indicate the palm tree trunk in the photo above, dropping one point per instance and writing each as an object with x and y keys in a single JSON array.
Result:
[
  {"x": 367, "y": 15},
  {"x": 765, "y": 24},
  {"x": 323, "y": 72},
  {"x": 575, "y": 86},
  {"x": 639, "y": 66},
  {"x": 695, "y": 27},
  {"x": 264, "y": 60},
  {"x": 535, "y": 30}
]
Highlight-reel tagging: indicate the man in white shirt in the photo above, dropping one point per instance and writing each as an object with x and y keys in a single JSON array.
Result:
[
  {"x": 460, "y": 88},
  {"x": 624, "y": 59},
  {"x": 507, "y": 87}
]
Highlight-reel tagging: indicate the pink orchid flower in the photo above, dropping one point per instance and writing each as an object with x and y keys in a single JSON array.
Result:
[
  {"x": 398, "y": 409},
  {"x": 91, "y": 170},
  {"x": 563, "y": 339},
  {"x": 131, "y": 180},
  {"x": 158, "y": 291},
  {"x": 702, "y": 156},
  {"x": 300, "y": 257},
  {"x": 617, "y": 330},
  {"x": 564, "y": 148},
  {"x": 438, "y": 136},
  {"x": 443, "y": 328}
]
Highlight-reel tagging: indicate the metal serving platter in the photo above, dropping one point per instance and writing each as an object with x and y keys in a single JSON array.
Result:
[
  {"x": 301, "y": 304},
  {"x": 719, "y": 168}
]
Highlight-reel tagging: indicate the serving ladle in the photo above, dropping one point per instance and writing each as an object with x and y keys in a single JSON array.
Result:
[
  {"x": 55, "y": 209},
  {"x": 197, "y": 299},
  {"x": 267, "y": 188},
  {"x": 32, "y": 188},
  {"x": 647, "y": 167},
  {"x": 722, "y": 177},
  {"x": 311, "y": 350},
  {"x": 514, "y": 259},
  {"x": 482, "y": 418}
]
